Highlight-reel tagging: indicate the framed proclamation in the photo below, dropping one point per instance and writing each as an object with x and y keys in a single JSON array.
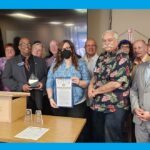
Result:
[{"x": 64, "y": 92}]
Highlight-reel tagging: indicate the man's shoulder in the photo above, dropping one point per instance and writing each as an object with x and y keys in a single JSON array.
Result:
[
  {"x": 144, "y": 64},
  {"x": 14, "y": 59}
]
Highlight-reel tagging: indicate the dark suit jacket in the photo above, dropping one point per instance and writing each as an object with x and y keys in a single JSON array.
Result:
[{"x": 14, "y": 76}]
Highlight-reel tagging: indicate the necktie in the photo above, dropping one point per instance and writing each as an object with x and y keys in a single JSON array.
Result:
[{"x": 26, "y": 63}]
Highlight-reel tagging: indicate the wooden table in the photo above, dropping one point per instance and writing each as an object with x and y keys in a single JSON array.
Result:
[{"x": 61, "y": 129}]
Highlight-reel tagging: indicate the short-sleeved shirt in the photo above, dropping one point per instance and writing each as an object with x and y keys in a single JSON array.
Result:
[
  {"x": 112, "y": 66},
  {"x": 78, "y": 93}
]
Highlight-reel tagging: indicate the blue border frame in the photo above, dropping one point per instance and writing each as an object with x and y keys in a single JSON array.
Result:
[
  {"x": 74, "y": 4},
  {"x": 70, "y": 4}
]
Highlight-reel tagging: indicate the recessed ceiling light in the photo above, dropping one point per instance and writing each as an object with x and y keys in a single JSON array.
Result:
[
  {"x": 68, "y": 24},
  {"x": 81, "y": 10},
  {"x": 55, "y": 22},
  {"x": 21, "y": 15}
]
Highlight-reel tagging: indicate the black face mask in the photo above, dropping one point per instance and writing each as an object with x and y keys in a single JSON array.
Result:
[{"x": 66, "y": 54}]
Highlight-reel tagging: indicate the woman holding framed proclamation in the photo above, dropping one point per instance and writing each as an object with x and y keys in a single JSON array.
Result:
[{"x": 68, "y": 66}]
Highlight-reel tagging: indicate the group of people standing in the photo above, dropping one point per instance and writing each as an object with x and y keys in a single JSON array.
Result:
[{"x": 104, "y": 87}]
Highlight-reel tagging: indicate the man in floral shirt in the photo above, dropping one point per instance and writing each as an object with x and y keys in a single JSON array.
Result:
[{"x": 109, "y": 91}]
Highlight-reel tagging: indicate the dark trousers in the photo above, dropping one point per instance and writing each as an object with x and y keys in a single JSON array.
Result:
[
  {"x": 34, "y": 101},
  {"x": 78, "y": 111},
  {"x": 108, "y": 127},
  {"x": 46, "y": 106},
  {"x": 87, "y": 130}
]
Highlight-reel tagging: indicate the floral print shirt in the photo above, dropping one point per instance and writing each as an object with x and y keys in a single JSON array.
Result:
[{"x": 112, "y": 66}]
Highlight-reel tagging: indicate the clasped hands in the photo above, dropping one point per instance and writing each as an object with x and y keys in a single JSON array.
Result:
[
  {"x": 141, "y": 114},
  {"x": 92, "y": 92},
  {"x": 27, "y": 88}
]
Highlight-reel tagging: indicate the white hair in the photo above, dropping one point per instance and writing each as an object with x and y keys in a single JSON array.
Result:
[{"x": 115, "y": 34}]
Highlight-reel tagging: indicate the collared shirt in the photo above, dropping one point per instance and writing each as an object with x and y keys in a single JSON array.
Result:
[
  {"x": 112, "y": 66},
  {"x": 91, "y": 63},
  {"x": 82, "y": 73},
  {"x": 137, "y": 62}
]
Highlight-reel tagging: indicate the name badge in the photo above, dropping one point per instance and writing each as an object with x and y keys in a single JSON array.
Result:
[{"x": 20, "y": 64}]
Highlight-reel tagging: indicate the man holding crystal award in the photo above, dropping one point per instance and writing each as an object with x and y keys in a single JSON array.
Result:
[
  {"x": 66, "y": 83},
  {"x": 26, "y": 73}
]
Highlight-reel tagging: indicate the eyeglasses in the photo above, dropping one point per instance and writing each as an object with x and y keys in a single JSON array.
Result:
[
  {"x": 25, "y": 44},
  {"x": 91, "y": 46},
  {"x": 125, "y": 46}
]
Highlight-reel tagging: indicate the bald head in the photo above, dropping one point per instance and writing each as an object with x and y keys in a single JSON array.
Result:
[
  {"x": 140, "y": 48},
  {"x": 90, "y": 47}
]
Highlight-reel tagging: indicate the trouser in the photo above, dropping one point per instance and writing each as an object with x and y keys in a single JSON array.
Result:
[
  {"x": 87, "y": 130},
  {"x": 77, "y": 111},
  {"x": 34, "y": 101},
  {"x": 142, "y": 133},
  {"x": 108, "y": 127}
]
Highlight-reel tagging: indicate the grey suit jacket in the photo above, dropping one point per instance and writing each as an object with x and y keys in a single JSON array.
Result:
[
  {"x": 14, "y": 76},
  {"x": 140, "y": 92}
]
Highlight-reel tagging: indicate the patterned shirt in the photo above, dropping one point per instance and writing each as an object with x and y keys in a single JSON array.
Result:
[
  {"x": 112, "y": 66},
  {"x": 2, "y": 66},
  {"x": 82, "y": 73}
]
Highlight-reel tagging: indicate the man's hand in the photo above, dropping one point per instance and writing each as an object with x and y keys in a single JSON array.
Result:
[
  {"x": 145, "y": 116},
  {"x": 91, "y": 92},
  {"x": 138, "y": 111},
  {"x": 39, "y": 85},
  {"x": 142, "y": 115},
  {"x": 26, "y": 88}
]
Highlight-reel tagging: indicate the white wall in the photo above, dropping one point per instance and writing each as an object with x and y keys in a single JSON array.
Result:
[
  {"x": 42, "y": 32},
  {"x": 98, "y": 22},
  {"x": 138, "y": 20}
]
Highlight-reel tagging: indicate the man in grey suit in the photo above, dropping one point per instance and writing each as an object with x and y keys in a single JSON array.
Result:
[
  {"x": 18, "y": 71},
  {"x": 140, "y": 102}
]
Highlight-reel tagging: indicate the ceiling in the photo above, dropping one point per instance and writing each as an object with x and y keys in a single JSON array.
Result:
[{"x": 45, "y": 16}]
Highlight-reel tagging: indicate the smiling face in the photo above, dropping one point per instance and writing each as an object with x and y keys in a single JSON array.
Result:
[
  {"x": 140, "y": 48},
  {"x": 9, "y": 52},
  {"x": 53, "y": 47},
  {"x": 37, "y": 50},
  {"x": 109, "y": 41},
  {"x": 90, "y": 47},
  {"x": 25, "y": 46}
]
